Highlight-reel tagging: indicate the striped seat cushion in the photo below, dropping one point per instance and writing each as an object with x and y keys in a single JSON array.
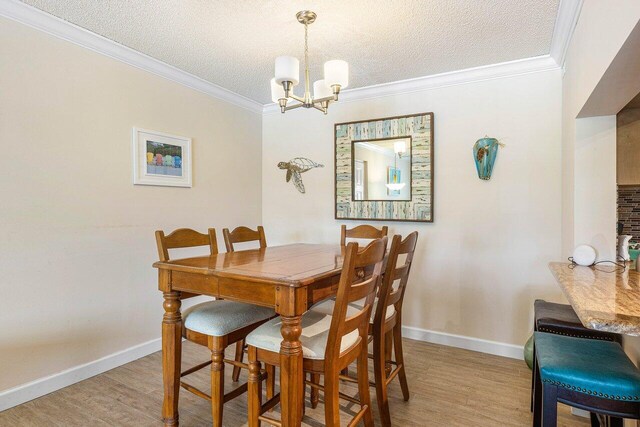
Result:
[{"x": 315, "y": 332}]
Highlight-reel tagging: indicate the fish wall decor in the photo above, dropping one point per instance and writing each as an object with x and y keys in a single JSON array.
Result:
[
  {"x": 485, "y": 151},
  {"x": 295, "y": 167}
]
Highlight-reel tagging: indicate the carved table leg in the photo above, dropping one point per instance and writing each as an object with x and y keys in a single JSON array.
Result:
[
  {"x": 291, "y": 373},
  {"x": 217, "y": 384},
  {"x": 254, "y": 389},
  {"x": 171, "y": 355}
]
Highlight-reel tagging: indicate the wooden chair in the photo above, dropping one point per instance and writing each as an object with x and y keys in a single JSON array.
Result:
[
  {"x": 329, "y": 342},
  {"x": 243, "y": 234},
  {"x": 215, "y": 324},
  {"x": 361, "y": 232},
  {"x": 386, "y": 324}
]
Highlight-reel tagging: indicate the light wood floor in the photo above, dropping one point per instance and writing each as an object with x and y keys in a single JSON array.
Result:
[{"x": 449, "y": 387}]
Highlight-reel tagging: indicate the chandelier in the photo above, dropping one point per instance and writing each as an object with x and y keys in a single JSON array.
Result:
[{"x": 287, "y": 75}]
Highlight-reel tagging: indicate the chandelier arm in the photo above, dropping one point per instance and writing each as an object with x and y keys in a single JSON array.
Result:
[
  {"x": 328, "y": 98},
  {"x": 297, "y": 98},
  {"x": 292, "y": 107},
  {"x": 324, "y": 110}
]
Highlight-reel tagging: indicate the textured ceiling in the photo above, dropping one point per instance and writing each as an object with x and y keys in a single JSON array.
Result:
[{"x": 233, "y": 43}]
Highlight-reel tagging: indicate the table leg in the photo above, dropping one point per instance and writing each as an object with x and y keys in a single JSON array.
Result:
[
  {"x": 171, "y": 355},
  {"x": 291, "y": 373}
]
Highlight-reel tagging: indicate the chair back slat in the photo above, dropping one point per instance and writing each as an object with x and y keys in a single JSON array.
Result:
[
  {"x": 352, "y": 323},
  {"x": 394, "y": 297},
  {"x": 361, "y": 232},
  {"x": 362, "y": 289},
  {"x": 400, "y": 272},
  {"x": 351, "y": 288},
  {"x": 387, "y": 295},
  {"x": 185, "y": 238},
  {"x": 243, "y": 234}
]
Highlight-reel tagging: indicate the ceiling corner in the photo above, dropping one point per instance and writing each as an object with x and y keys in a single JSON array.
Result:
[{"x": 566, "y": 20}]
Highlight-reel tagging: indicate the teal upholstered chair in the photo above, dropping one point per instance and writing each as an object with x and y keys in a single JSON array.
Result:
[
  {"x": 214, "y": 324},
  {"x": 593, "y": 375},
  {"x": 560, "y": 319}
]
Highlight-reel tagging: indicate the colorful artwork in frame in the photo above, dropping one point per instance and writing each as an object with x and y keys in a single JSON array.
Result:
[
  {"x": 161, "y": 159},
  {"x": 393, "y": 177},
  {"x": 419, "y": 208}
]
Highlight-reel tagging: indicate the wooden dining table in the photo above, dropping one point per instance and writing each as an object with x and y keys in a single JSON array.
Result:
[{"x": 289, "y": 278}]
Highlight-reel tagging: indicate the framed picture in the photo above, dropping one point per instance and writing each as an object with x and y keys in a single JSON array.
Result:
[
  {"x": 394, "y": 176},
  {"x": 384, "y": 169},
  {"x": 161, "y": 159}
]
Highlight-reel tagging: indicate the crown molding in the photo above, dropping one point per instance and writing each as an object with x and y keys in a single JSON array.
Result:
[
  {"x": 57, "y": 27},
  {"x": 470, "y": 75},
  {"x": 566, "y": 21},
  {"x": 568, "y": 13}
]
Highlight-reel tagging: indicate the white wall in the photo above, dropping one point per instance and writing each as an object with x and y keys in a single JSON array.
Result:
[
  {"x": 595, "y": 195},
  {"x": 483, "y": 261},
  {"x": 600, "y": 32},
  {"x": 77, "y": 236}
]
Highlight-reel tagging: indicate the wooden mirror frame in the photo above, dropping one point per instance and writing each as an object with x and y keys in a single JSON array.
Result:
[{"x": 417, "y": 127}]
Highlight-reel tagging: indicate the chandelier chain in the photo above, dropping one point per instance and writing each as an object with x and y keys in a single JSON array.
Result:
[{"x": 306, "y": 62}]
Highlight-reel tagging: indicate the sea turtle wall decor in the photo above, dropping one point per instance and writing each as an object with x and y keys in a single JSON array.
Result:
[
  {"x": 295, "y": 167},
  {"x": 485, "y": 151}
]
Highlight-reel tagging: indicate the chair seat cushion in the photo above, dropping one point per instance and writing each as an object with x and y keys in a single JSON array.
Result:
[
  {"x": 315, "y": 332},
  {"x": 326, "y": 307},
  {"x": 562, "y": 319},
  {"x": 594, "y": 367},
  {"x": 221, "y": 317},
  {"x": 561, "y": 313}
]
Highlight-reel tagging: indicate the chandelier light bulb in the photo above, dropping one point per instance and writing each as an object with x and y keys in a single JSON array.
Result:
[
  {"x": 287, "y": 70},
  {"x": 321, "y": 90},
  {"x": 277, "y": 91},
  {"x": 336, "y": 73},
  {"x": 399, "y": 147},
  {"x": 395, "y": 186}
]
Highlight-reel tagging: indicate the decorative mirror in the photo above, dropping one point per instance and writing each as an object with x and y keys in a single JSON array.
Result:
[{"x": 384, "y": 169}]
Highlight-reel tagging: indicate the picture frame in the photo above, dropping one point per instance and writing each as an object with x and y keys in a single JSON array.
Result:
[
  {"x": 419, "y": 129},
  {"x": 393, "y": 175},
  {"x": 161, "y": 159}
]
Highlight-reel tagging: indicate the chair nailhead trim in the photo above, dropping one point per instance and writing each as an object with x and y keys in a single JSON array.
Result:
[
  {"x": 591, "y": 392},
  {"x": 556, "y": 332}
]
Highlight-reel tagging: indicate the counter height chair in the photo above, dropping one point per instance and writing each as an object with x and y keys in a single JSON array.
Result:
[
  {"x": 214, "y": 324},
  {"x": 361, "y": 232},
  {"x": 593, "y": 375},
  {"x": 329, "y": 342},
  {"x": 561, "y": 319},
  {"x": 385, "y": 328},
  {"x": 243, "y": 234}
]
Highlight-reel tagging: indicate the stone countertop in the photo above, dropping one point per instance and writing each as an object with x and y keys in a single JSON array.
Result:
[{"x": 604, "y": 297}]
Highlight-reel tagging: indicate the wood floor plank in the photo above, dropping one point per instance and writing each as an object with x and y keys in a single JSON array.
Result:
[{"x": 449, "y": 387}]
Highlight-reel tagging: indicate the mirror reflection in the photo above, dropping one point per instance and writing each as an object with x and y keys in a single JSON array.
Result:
[{"x": 381, "y": 169}]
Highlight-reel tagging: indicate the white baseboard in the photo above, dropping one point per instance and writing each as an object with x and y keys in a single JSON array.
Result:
[
  {"x": 29, "y": 391},
  {"x": 460, "y": 341}
]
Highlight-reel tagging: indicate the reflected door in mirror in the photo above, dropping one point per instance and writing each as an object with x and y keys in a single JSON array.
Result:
[{"x": 360, "y": 180}]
